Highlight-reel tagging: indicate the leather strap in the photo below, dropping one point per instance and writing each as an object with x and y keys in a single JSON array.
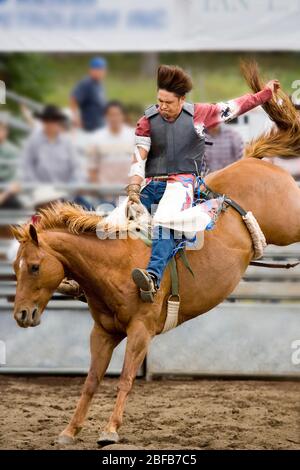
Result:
[
  {"x": 227, "y": 200},
  {"x": 235, "y": 206},
  {"x": 274, "y": 265},
  {"x": 174, "y": 277},
  {"x": 185, "y": 261}
]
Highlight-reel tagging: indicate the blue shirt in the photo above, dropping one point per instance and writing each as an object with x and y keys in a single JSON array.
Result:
[{"x": 91, "y": 100}]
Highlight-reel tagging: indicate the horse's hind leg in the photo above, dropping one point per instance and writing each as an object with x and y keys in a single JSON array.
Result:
[
  {"x": 102, "y": 345},
  {"x": 138, "y": 339}
]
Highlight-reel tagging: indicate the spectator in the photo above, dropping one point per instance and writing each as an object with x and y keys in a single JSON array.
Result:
[
  {"x": 112, "y": 148},
  {"x": 9, "y": 197},
  {"x": 88, "y": 97},
  {"x": 43, "y": 196},
  {"x": 227, "y": 147},
  {"x": 9, "y": 155},
  {"x": 49, "y": 155}
]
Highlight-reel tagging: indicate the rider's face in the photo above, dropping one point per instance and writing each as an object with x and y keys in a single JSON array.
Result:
[{"x": 170, "y": 105}]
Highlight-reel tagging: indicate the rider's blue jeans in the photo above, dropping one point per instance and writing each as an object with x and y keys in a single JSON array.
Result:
[{"x": 163, "y": 243}]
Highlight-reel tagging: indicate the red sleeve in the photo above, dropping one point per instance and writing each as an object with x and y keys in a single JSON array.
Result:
[
  {"x": 250, "y": 101},
  {"x": 212, "y": 114},
  {"x": 143, "y": 127}
]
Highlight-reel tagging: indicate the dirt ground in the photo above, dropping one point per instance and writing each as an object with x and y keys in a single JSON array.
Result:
[{"x": 195, "y": 414}]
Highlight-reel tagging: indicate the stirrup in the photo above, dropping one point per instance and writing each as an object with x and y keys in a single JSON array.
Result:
[{"x": 145, "y": 283}]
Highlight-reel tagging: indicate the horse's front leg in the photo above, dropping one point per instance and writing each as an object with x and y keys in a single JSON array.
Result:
[
  {"x": 102, "y": 345},
  {"x": 138, "y": 339}
]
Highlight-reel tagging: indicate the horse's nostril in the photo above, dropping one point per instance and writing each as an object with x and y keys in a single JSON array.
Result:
[
  {"x": 34, "y": 312},
  {"x": 23, "y": 315}
]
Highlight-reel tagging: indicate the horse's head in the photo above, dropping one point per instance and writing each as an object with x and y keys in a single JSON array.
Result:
[{"x": 38, "y": 274}]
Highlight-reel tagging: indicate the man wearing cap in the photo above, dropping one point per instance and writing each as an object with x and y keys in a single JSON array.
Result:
[{"x": 88, "y": 97}]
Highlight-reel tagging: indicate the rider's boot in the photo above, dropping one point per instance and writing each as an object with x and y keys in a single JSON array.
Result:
[{"x": 147, "y": 283}]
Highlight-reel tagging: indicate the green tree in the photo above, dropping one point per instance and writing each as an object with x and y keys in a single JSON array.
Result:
[{"x": 31, "y": 75}]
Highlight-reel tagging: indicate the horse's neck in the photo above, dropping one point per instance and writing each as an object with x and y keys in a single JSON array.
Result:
[
  {"x": 89, "y": 261},
  {"x": 77, "y": 253}
]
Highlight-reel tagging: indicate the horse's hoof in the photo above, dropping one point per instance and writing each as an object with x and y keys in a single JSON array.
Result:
[
  {"x": 107, "y": 438},
  {"x": 65, "y": 440}
]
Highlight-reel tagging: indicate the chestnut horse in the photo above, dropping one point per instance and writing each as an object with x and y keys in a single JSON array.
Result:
[{"x": 63, "y": 242}]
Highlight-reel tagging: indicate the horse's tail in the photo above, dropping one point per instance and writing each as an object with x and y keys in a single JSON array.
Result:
[{"x": 284, "y": 139}]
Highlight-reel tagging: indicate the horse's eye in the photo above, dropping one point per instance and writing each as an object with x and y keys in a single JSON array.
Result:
[{"x": 35, "y": 268}]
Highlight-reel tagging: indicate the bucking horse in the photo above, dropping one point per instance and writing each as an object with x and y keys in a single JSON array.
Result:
[{"x": 64, "y": 243}]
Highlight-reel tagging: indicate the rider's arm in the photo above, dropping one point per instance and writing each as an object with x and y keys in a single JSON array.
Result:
[
  {"x": 141, "y": 150},
  {"x": 226, "y": 111},
  {"x": 137, "y": 172}
]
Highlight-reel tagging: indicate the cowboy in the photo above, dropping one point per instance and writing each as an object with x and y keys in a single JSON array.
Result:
[
  {"x": 49, "y": 156},
  {"x": 169, "y": 147}
]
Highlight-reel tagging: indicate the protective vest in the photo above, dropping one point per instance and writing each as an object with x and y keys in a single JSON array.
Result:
[{"x": 175, "y": 146}]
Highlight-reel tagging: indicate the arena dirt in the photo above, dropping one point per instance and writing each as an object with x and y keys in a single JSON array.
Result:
[{"x": 196, "y": 414}]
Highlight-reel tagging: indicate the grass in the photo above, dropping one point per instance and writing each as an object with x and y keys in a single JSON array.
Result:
[{"x": 216, "y": 75}]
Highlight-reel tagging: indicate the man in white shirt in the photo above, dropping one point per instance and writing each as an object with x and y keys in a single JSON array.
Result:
[{"x": 111, "y": 148}]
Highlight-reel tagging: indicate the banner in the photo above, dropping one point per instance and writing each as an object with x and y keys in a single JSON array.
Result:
[{"x": 156, "y": 25}]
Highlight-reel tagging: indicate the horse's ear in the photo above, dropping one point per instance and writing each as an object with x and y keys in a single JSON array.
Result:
[{"x": 33, "y": 234}]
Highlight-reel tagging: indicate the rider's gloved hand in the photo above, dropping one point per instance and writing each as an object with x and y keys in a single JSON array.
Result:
[{"x": 133, "y": 193}]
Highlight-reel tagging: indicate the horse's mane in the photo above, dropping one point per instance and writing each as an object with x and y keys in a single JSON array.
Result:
[
  {"x": 60, "y": 215},
  {"x": 284, "y": 139}
]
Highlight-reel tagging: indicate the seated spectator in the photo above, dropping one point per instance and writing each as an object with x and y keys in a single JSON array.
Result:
[
  {"x": 9, "y": 197},
  {"x": 112, "y": 148},
  {"x": 43, "y": 196},
  {"x": 227, "y": 147},
  {"x": 9, "y": 156},
  {"x": 49, "y": 155}
]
